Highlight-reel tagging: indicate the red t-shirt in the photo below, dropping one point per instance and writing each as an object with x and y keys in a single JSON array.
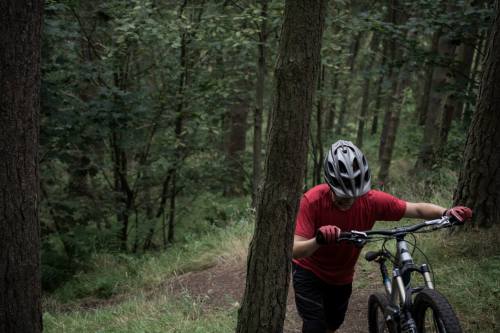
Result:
[{"x": 334, "y": 263}]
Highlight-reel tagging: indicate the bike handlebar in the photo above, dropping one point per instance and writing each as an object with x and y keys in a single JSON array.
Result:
[{"x": 362, "y": 236}]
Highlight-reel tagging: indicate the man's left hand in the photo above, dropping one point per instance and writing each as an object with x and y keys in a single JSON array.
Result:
[{"x": 460, "y": 213}]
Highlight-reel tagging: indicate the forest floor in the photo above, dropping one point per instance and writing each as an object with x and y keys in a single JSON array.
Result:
[{"x": 222, "y": 286}]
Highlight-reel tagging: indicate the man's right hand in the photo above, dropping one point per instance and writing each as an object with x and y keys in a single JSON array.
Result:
[{"x": 327, "y": 234}]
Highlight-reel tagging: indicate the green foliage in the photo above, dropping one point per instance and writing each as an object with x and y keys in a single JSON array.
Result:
[
  {"x": 200, "y": 240},
  {"x": 111, "y": 104}
]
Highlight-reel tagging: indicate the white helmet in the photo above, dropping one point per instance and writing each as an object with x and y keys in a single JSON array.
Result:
[{"x": 346, "y": 170}]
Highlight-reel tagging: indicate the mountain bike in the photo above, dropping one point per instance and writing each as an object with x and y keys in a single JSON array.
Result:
[{"x": 404, "y": 308}]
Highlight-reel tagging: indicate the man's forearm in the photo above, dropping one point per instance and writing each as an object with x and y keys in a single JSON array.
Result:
[
  {"x": 424, "y": 210},
  {"x": 304, "y": 248}
]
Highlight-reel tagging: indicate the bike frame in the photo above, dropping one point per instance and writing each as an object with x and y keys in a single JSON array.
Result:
[{"x": 398, "y": 288}]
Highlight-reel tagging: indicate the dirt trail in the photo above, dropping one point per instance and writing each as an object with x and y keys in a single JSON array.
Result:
[{"x": 222, "y": 286}]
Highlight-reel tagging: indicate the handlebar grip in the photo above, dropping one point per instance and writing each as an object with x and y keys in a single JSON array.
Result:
[
  {"x": 345, "y": 235},
  {"x": 320, "y": 238}
]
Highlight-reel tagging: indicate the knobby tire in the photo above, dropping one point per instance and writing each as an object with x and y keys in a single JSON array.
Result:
[
  {"x": 377, "y": 303},
  {"x": 435, "y": 307}
]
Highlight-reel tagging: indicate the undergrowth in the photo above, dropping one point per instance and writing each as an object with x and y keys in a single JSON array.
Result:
[{"x": 466, "y": 266}]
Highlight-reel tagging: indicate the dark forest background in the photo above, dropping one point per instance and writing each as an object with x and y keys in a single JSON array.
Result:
[
  {"x": 150, "y": 107},
  {"x": 155, "y": 120}
]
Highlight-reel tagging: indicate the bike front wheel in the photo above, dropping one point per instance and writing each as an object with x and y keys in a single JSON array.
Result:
[
  {"x": 433, "y": 313},
  {"x": 377, "y": 320}
]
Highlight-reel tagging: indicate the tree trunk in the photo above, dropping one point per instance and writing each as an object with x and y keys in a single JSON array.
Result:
[
  {"x": 399, "y": 81},
  {"x": 318, "y": 167},
  {"x": 391, "y": 123},
  {"x": 423, "y": 105},
  {"x": 479, "y": 180},
  {"x": 465, "y": 58},
  {"x": 455, "y": 101},
  {"x": 390, "y": 45},
  {"x": 471, "y": 88},
  {"x": 366, "y": 91},
  {"x": 429, "y": 148},
  {"x": 123, "y": 192},
  {"x": 180, "y": 116},
  {"x": 268, "y": 271},
  {"x": 235, "y": 149},
  {"x": 171, "y": 215},
  {"x": 20, "y": 271},
  {"x": 330, "y": 119},
  {"x": 259, "y": 103},
  {"x": 380, "y": 91},
  {"x": 342, "y": 117}
]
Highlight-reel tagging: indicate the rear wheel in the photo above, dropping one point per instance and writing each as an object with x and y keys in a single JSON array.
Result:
[
  {"x": 377, "y": 321},
  {"x": 433, "y": 313}
]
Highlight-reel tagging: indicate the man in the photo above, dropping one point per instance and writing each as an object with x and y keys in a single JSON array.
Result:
[{"x": 323, "y": 269}]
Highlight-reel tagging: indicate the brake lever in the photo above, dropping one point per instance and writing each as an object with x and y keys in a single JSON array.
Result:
[{"x": 358, "y": 238}]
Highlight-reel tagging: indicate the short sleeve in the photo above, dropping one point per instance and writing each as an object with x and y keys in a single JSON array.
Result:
[
  {"x": 304, "y": 224},
  {"x": 386, "y": 207}
]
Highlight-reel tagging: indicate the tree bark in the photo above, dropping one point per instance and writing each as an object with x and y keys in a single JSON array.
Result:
[
  {"x": 342, "y": 116},
  {"x": 390, "y": 45},
  {"x": 461, "y": 76},
  {"x": 330, "y": 119},
  {"x": 259, "y": 103},
  {"x": 479, "y": 180},
  {"x": 366, "y": 91},
  {"x": 399, "y": 81},
  {"x": 423, "y": 106},
  {"x": 465, "y": 58},
  {"x": 318, "y": 160},
  {"x": 268, "y": 268},
  {"x": 20, "y": 269},
  {"x": 429, "y": 148},
  {"x": 380, "y": 91},
  {"x": 471, "y": 88},
  {"x": 235, "y": 148}
]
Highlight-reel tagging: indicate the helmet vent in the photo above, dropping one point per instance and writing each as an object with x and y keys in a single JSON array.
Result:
[
  {"x": 357, "y": 181},
  {"x": 347, "y": 182},
  {"x": 355, "y": 165},
  {"x": 335, "y": 182},
  {"x": 342, "y": 167}
]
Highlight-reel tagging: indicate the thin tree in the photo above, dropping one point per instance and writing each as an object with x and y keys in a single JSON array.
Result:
[
  {"x": 393, "y": 54},
  {"x": 317, "y": 145},
  {"x": 399, "y": 81},
  {"x": 269, "y": 260},
  {"x": 479, "y": 180},
  {"x": 442, "y": 74},
  {"x": 259, "y": 101},
  {"x": 366, "y": 89},
  {"x": 472, "y": 84},
  {"x": 379, "y": 91},
  {"x": 20, "y": 273},
  {"x": 351, "y": 62},
  {"x": 423, "y": 104}
]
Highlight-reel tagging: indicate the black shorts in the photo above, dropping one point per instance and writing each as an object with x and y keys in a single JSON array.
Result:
[{"x": 320, "y": 305}]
